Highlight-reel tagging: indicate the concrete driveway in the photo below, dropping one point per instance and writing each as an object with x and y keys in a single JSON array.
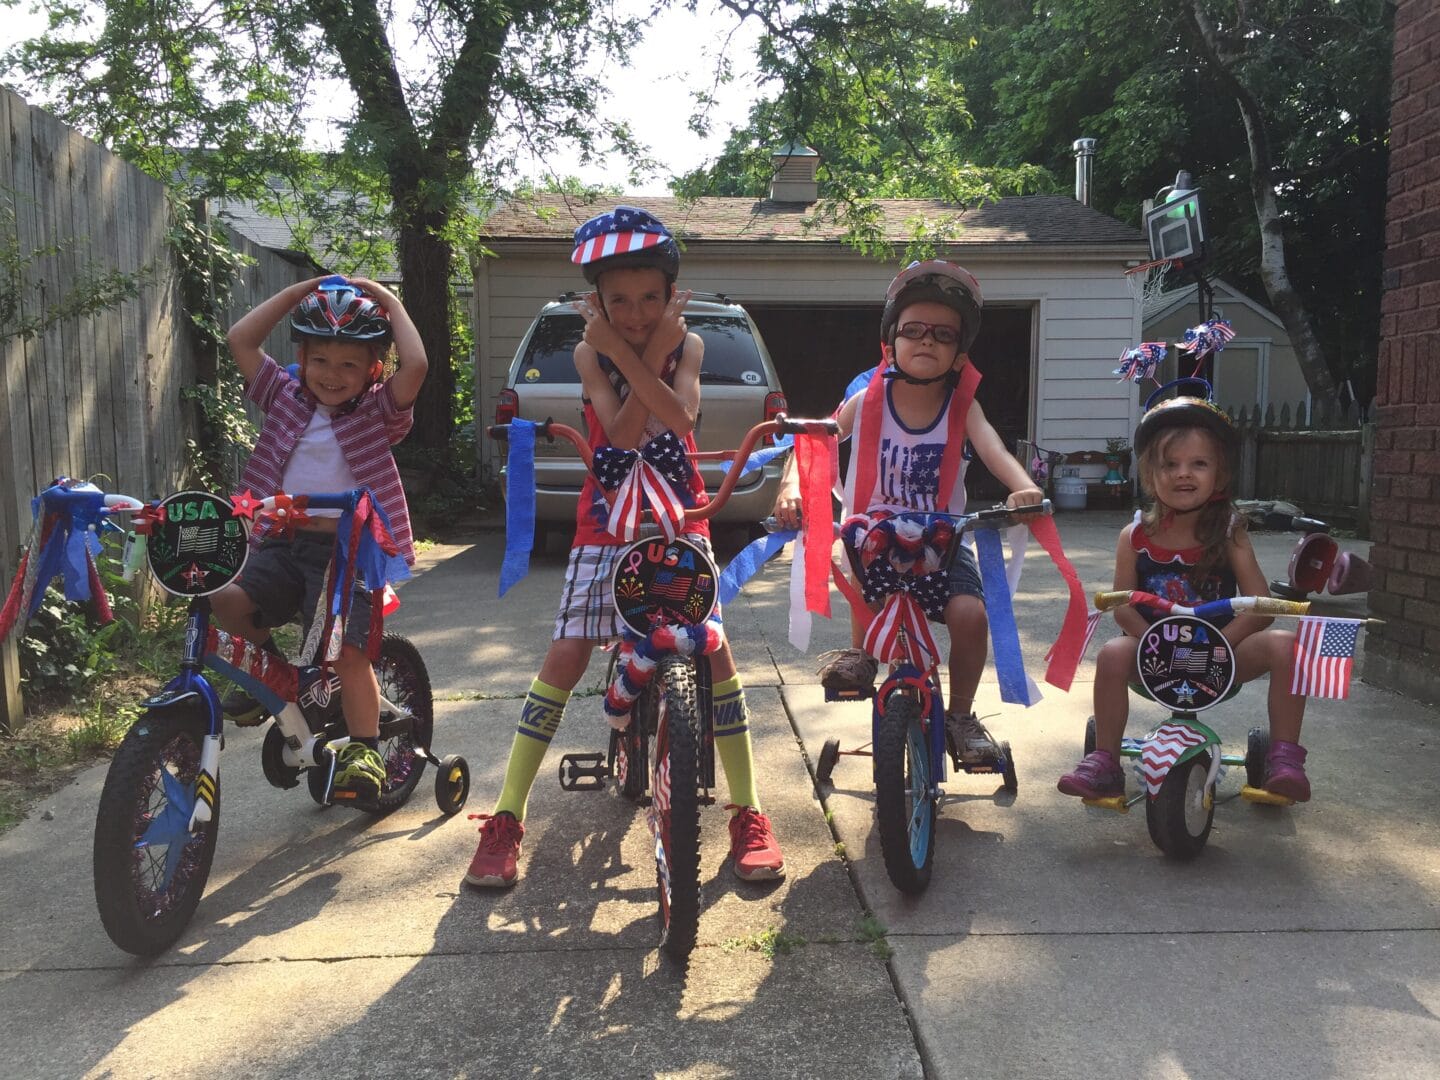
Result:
[{"x": 1054, "y": 941}]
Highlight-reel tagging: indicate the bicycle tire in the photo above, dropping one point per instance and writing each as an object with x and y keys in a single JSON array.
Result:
[
  {"x": 904, "y": 809},
  {"x": 675, "y": 807},
  {"x": 1178, "y": 819},
  {"x": 403, "y": 680},
  {"x": 149, "y": 877}
]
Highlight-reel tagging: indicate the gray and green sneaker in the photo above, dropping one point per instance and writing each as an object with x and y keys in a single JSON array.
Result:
[{"x": 359, "y": 774}]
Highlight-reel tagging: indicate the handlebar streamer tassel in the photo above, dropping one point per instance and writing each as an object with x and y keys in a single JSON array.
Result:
[{"x": 63, "y": 542}]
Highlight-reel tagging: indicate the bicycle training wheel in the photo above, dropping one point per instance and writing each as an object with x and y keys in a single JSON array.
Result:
[
  {"x": 904, "y": 808},
  {"x": 150, "y": 870},
  {"x": 405, "y": 683},
  {"x": 674, "y": 814}
]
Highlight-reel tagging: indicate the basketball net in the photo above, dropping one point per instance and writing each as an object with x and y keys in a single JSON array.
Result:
[{"x": 1147, "y": 281}]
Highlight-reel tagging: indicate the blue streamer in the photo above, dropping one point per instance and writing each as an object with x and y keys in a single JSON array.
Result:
[
  {"x": 760, "y": 458},
  {"x": 1004, "y": 635},
  {"x": 748, "y": 561},
  {"x": 519, "y": 503}
]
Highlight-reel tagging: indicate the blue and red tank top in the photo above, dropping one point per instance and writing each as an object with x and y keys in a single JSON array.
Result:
[{"x": 1174, "y": 575}]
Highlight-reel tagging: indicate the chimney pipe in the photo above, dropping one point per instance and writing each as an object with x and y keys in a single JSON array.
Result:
[{"x": 1084, "y": 160}]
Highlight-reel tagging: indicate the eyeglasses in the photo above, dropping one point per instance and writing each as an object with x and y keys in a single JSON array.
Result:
[{"x": 943, "y": 335}]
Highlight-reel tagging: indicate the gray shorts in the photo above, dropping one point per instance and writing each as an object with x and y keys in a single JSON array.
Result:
[
  {"x": 965, "y": 575},
  {"x": 284, "y": 578}
]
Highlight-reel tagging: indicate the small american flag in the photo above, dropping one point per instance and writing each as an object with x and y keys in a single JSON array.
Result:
[
  {"x": 1184, "y": 659},
  {"x": 671, "y": 586},
  {"x": 1324, "y": 649},
  {"x": 1091, "y": 621},
  {"x": 624, "y": 230}
]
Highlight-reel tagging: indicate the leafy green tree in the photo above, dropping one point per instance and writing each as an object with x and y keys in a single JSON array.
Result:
[{"x": 217, "y": 93}]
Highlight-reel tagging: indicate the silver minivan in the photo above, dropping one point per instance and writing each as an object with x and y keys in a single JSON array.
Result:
[{"x": 739, "y": 389}]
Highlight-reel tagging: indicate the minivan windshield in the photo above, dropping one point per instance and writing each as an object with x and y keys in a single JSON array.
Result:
[{"x": 730, "y": 353}]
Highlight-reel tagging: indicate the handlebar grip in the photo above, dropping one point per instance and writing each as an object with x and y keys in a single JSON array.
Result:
[
  {"x": 1106, "y": 601},
  {"x": 1271, "y": 605},
  {"x": 829, "y": 426}
]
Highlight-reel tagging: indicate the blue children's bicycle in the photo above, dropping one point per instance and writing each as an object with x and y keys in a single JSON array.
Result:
[
  {"x": 908, "y": 738},
  {"x": 159, "y": 812}
]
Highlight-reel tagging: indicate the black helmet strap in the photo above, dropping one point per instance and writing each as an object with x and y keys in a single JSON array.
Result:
[{"x": 895, "y": 371}]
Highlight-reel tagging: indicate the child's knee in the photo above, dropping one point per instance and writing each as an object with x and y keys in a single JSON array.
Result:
[
  {"x": 1116, "y": 659},
  {"x": 966, "y": 615}
]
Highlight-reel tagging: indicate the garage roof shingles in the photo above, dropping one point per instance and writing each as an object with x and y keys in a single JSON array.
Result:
[{"x": 1035, "y": 219}]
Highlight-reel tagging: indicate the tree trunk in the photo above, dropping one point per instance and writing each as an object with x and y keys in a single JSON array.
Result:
[
  {"x": 425, "y": 263},
  {"x": 1284, "y": 298}
]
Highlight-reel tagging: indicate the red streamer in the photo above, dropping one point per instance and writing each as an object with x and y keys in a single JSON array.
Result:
[
  {"x": 815, "y": 458},
  {"x": 1065, "y": 653}
]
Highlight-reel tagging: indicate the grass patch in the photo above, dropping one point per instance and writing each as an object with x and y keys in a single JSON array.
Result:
[
  {"x": 873, "y": 933},
  {"x": 768, "y": 943}
]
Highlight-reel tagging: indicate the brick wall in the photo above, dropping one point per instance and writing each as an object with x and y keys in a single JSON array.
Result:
[{"x": 1405, "y": 507}]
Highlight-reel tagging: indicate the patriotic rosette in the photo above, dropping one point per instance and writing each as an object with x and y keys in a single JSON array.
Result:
[
  {"x": 1139, "y": 363},
  {"x": 902, "y": 564},
  {"x": 648, "y": 477},
  {"x": 1206, "y": 338}
]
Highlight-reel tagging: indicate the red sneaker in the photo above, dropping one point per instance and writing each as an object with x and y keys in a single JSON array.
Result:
[
  {"x": 753, "y": 846},
  {"x": 495, "y": 863}
]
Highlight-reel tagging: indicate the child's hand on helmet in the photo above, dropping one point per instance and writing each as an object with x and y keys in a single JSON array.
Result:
[
  {"x": 1031, "y": 496},
  {"x": 373, "y": 288}
]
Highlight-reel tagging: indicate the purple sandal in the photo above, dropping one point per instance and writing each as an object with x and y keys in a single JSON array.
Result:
[{"x": 1285, "y": 771}]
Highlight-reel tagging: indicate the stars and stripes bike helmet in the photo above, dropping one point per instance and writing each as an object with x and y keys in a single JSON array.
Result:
[
  {"x": 625, "y": 238},
  {"x": 938, "y": 281},
  {"x": 1187, "y": 411}
]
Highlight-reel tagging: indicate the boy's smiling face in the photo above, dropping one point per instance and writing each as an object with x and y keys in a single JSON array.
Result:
[
  {"x": 335, "y": 371},
  {"x": 634, "y": 299},
  {"x": 926, "y": 358}
]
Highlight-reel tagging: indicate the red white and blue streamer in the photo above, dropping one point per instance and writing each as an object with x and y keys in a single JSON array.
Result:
[
  {"x": 637, "y": 658},
  {"x": 63, "y": 543}
]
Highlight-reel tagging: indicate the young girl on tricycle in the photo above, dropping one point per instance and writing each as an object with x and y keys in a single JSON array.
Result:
[{"x": 1189, "y": 545}]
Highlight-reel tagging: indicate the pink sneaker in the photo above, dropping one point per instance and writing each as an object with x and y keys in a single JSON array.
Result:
[
  {"x": 1285, "y": 771},
  {"x": 1098, "y": 776},
  {"x": 496, "y": 861},
  {"x": 753, "y": 846}
]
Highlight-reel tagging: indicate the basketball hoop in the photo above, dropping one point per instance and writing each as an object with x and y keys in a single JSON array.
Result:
[{"x": 1147, "y": 281}]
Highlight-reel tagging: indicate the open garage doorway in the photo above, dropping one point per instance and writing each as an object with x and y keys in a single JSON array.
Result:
[{"x": 818, "y": 349}]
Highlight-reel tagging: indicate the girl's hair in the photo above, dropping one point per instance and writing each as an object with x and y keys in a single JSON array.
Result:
[{"x": 1217, "y": 521}]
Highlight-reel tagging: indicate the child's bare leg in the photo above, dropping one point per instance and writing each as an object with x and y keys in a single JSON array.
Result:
[
  {"x": 359, "y": 693},
  {"x": 234, "y": 611},
  {"x": 1271, "y": 652},
  {"x": 566, "y": 661},
  {"x": 969, "y": 648},
  {"x": 1114, "y": 669}
]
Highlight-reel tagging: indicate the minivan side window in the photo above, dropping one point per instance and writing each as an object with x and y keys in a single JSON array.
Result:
[{"x": 730, "y": 353}]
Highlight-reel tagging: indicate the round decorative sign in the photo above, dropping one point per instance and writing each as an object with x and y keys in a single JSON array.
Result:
[
  {"x": 1185, "y": 663},
  {"x": 197, "y": 546},
  {"x": 663, "y": 583}
]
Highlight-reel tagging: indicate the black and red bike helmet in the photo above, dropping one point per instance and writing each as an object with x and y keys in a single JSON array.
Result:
[{"x": 336, "y": 310}]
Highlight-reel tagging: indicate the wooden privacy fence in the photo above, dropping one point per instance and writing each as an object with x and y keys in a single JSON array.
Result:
[
  {"x": 1321, "y": 460},
  {"x": 92, "y": 395}
]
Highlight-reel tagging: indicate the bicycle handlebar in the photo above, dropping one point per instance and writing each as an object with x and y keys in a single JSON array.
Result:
[
  {"x": 781, "y": 425},
  {"x": 1234, "y": 605}
]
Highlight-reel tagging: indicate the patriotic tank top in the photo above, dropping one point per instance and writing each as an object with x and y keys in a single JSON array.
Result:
[
  {"x": 1174, "y": 575},
  {"x": 908, "y": 468},
  {"x": 592, "y": 512}
]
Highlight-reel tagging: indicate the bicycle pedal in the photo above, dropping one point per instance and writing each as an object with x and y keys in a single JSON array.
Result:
[
  {"x": 583, "y": 772},
  {"x": 850, "y": 694},
  {"x": 353, "y": 799},
  {"x": 1263, "y": 797},
  {"x": 1110, "y": 802}
]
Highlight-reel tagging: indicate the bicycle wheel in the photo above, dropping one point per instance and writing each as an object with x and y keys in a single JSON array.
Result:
[
  {"x": 674, "y": 814},
  {"x": 406, "y": 684},
  {"x": 1178, "y": 817},
  {"x": 904, "y": 808},
  {"x": 150, "y": 870}
]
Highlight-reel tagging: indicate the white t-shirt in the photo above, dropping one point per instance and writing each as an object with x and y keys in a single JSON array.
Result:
[{"x": 317, "y": 466}]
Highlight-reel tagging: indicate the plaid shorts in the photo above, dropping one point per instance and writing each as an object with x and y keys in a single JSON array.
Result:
[{"x": 587, "y": 608}]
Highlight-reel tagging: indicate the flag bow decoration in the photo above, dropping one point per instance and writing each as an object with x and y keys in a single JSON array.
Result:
[
  {"x": 645, "y": 477},
  {"x": 1160, "y": 752},
  {"x": 901, "y": 561},
  {"x": 1208, "y": 337},
  {"x": 365, "y": 550},
  {"x": 1139, "y": 363},
  {"x": 67, "y": 516}
]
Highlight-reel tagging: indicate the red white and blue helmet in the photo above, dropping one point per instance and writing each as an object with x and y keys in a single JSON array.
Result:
[
  {"x": 938, "y": 281},
  {"x": 625, "y": 238},
  {"x": 337, "y": 309}
]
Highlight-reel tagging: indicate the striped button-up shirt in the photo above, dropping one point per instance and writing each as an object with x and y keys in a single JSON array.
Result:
[{"x": 365, "y": 434}]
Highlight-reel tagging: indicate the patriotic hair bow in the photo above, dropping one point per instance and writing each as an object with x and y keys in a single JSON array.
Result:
[
  {"x": 1206, "y": 338},
  {"x": 64, "y": 543},
  {"x": 1139, "y": 363},
  {"x": 647, "y": 477}
]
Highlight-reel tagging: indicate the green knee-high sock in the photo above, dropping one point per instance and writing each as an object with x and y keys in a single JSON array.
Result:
[
  {"x": 732, "y": 741},
  {"x": 544, "y": 706}
]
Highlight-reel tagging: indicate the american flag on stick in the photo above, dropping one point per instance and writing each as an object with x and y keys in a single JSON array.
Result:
[{"x": 1324, "y": 657}]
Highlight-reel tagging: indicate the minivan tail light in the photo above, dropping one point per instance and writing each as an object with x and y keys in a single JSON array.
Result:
[
  {"x": 507, "y": 406},
  {"x": 774, "y": 405}
]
